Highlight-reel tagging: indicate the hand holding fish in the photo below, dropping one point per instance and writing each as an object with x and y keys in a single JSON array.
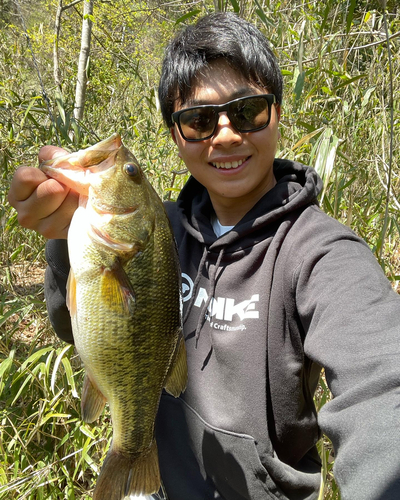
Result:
[{"x": 43, "y": 204}]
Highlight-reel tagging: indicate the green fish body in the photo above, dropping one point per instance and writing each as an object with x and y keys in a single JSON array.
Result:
[{"x": 123, "y": 294}]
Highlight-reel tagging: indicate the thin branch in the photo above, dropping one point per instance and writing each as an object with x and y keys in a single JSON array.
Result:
[
  {"x": 71, "y": 4},
  {"x": 334, "y": 35},
  {"x": 338, "y": 51}
]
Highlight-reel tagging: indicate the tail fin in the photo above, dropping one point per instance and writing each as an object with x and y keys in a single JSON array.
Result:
[{"x": 122, "y": 475}]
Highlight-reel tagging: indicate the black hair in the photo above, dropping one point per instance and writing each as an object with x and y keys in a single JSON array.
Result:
[{"x": 220, "y": 35}]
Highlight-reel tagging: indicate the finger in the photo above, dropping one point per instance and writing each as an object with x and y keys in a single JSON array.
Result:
[
  {"x": 28, "y": 181},
  {"x": 24, "y": 183},
  {"x": 50, "y": 152},
  {"x": 56, "y": 225},
  {"x": 44, "y": 201}
]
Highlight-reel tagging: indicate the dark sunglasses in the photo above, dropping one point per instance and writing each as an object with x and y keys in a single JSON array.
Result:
[{"x": 246, "y": 114}]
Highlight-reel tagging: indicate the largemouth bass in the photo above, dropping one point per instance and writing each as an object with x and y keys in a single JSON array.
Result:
[{"x": 123, "y": 294}]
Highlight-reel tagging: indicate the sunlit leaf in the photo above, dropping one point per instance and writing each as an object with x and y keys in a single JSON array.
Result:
[
  {"x": 57, "y": 364},
  {"x": 187, "y": 16},
  {"x": 325, "y": 158}
]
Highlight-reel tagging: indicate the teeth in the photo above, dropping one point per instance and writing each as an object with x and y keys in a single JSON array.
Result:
[{"x": 228, "y": 164}]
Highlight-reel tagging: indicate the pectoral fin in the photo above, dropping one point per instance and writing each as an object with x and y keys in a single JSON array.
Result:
[
  {"x": 175, "y": 382},
  {"x": 92, "y": 401},
  {"x": 117, "y": 290}
]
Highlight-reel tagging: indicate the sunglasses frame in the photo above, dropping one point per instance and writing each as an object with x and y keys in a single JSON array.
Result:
[{"x": 219, "y": 108}]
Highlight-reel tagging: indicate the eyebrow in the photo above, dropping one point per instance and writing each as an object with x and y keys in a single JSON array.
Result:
[{"x": 242, "y": 92}]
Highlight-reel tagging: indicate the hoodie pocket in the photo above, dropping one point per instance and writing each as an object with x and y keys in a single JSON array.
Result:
[{"x": 232, "y": 462}]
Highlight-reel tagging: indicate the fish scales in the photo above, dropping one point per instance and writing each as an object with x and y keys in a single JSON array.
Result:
[{"x": 124, "y": 299}]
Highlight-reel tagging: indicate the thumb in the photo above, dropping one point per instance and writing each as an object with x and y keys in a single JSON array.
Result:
[{"x": 50, "y": 152}]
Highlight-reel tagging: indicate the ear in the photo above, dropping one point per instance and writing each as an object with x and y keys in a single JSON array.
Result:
[
  {"x": 173, "y": 135},
  {"x": 278, "y": 111}
]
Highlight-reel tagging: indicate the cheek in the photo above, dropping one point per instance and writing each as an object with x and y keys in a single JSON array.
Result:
[{"x": 191, "y": 153}]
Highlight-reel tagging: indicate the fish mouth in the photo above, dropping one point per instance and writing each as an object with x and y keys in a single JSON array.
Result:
[{"x": 74, "y": 169}]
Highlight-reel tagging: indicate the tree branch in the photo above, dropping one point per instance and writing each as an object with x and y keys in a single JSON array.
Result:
[
  {"x": 347, "y": 49},
  {"x": 71, "y": 4}
]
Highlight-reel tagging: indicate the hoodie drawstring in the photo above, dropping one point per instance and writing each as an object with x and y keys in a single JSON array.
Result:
[
  {"x": 196, "y": 284},
  {"x": 213, "y": 282}
]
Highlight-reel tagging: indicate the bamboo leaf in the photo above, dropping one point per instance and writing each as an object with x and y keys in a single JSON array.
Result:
[
  {"x": 5, "y": 369},
  {"x": 366, "y": 96},
  {"x": 23, "y": 369},
  {"x": 325, "y": 158},
  {"x": 187, "y": 16},
  {"x": 298, "y": 89},
  {"x": 348, "y": 81},
  {"x": 350, "y": 15},
  {"x": 326, "y": 12},
  {"x": 261, "y": 14},
  {"x": 56, "y": 366},
  {"x": 367, "y": 17},
  {"x": 50, "y": 415},
  {"x": 70, "y": 376},
  {"x": 307, "y": 138},
  {"x": 60, "y": 106},
  {"x": 235, "y": 5},
  {"x": 85, "y": 430}
]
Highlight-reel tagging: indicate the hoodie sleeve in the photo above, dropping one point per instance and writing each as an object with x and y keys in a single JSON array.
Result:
[
  {"x": 55, "y": 288},
  {"x": 351, "y": 319}
]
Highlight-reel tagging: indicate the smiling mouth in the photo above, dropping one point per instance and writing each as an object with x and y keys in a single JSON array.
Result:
[{"x": 229, "y": 164}]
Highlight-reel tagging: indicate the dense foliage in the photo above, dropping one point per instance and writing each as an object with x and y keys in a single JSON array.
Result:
[{"x": 341, "y": 115}]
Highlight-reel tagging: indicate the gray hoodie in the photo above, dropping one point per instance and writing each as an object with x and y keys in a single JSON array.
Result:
[{"x": 287, "y": 291}]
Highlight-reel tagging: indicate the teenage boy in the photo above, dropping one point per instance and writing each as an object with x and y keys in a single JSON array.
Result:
[{"x": 273, "y": 290}]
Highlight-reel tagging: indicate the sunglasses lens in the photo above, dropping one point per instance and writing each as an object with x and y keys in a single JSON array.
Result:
[
  {"x": 249, "y": 114},
  {"x": 198, "y": 123}
]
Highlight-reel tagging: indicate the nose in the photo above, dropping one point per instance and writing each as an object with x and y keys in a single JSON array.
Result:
[{"x": 225, "y": 133}]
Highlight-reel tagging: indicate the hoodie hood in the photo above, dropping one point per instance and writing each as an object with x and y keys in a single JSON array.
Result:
[{"x": 297, "y": 186}]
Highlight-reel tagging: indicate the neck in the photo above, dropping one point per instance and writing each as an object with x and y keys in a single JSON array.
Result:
[{"x": 230, "y": 211}]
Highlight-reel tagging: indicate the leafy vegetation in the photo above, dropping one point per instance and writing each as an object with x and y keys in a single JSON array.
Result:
[{"x": 341, "y": 115}]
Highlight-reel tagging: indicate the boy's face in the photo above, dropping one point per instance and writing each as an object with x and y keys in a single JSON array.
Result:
[{"x": 236, "y": 168}]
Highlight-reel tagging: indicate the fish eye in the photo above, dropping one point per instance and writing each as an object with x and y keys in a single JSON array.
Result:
[{"x": 131, "y": 169}]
